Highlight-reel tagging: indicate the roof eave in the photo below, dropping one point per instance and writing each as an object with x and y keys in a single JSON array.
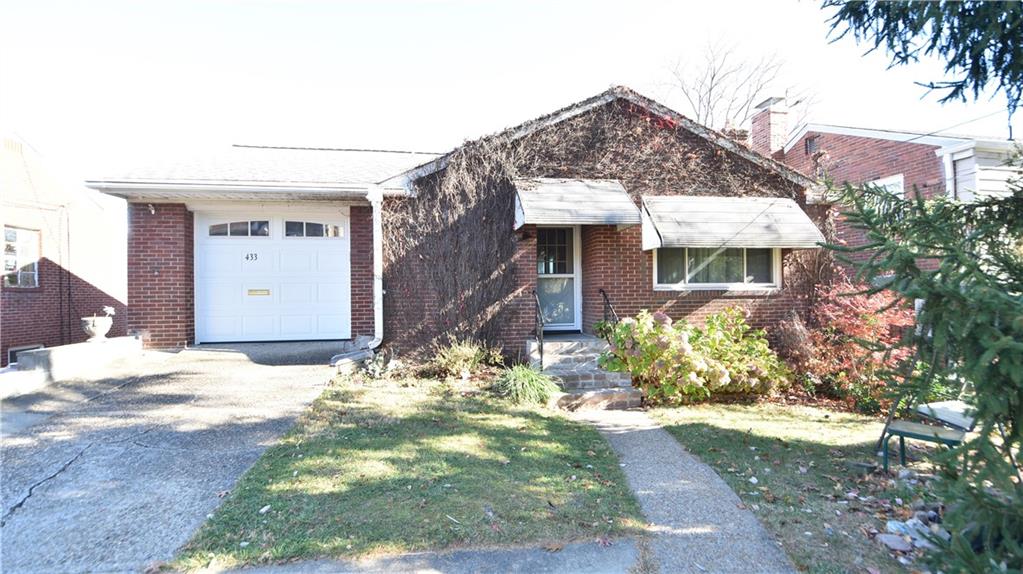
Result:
[{"x": 142, "y": 190}]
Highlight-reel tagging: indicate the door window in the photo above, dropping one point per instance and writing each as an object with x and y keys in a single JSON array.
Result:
[{"x": 556, "y": 281}]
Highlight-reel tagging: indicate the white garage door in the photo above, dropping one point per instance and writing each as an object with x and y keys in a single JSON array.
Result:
[{"x": 262, "y": 276}]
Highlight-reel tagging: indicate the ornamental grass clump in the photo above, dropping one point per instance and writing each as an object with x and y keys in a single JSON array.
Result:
[
  {"x": 523, "y": 384},
  {"x": 675, "y": 362},
  {"x": 463, "y": 358}
]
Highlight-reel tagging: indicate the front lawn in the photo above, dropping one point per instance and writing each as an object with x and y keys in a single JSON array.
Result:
[
  {"x": 794, "y": 467},
  {"x": 399, "y": 466}
]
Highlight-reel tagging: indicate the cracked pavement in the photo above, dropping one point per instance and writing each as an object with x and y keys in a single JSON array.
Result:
[{"x": 115, "y": 473}]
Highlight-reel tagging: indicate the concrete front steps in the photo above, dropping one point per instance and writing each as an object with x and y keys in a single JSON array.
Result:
[{"x": 572, "y": 360}]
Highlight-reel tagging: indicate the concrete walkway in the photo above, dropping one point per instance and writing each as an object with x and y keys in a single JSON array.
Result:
[
  {"x": 695, "y": 517},
  {"x": 587, "y": 558},
  {"x": 114, "y": 473}
]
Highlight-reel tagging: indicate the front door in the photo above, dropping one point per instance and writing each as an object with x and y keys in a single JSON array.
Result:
[{"x": 559, "y": 282}]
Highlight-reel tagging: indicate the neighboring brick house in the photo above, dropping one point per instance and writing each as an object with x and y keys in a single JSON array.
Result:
[
  {"x": 960, "y": 167},
  {"x": 63, "y": 255},
  {"x": 614, "y": 195}
]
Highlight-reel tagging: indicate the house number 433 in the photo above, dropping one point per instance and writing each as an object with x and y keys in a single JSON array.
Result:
[{"x": 251, "y": 256}]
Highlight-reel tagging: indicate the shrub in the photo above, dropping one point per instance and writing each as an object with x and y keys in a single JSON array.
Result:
[
  {"x": 851, "y": 344},
  {"x": 676, "y": 362},
  {"x": 461, "y": 358},
  {"x": 523, "y": 384},
  {"x": 752, "y": 366}
]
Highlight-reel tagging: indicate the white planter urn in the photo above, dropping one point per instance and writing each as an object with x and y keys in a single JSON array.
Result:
[{"x": 97, "y": 327}]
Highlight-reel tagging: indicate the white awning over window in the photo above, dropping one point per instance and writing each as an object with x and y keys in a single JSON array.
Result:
[
  {"x": 545, "y": 201},
  {"x": 694, "y": 221}
]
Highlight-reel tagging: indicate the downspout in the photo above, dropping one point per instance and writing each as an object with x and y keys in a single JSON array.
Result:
[{"x": 375, "y": 196}]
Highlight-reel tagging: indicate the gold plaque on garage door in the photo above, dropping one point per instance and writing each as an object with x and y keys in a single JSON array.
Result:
[{"x": 258, "y": 292}]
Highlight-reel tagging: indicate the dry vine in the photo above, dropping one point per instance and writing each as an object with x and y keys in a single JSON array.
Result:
[{"x": 450, "y": 251}]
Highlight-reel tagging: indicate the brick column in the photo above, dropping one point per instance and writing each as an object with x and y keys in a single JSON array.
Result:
[{"x": 161, "y": 294}]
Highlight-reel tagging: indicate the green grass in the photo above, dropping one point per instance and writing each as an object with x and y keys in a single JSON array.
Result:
[
  {"x": 801, "y": 459},
  {"x": 389, "y": 467}
]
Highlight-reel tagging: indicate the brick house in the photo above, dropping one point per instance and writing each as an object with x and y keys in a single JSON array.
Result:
[
  {"x": 613, "y": 199},
  {"x": 960, "y": 167},
  {"x": 63, "y": 255}
]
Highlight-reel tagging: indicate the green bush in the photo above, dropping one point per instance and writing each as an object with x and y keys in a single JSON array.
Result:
[
  {"x": 461, "y": 358},
  {"x": 523, "y": 384},
  {"x": 677, "y": 362},
  {"x": 752, "y": 365}
]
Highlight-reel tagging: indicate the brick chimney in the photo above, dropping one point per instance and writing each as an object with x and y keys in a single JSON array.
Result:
[{"x": 770, "y": 126}]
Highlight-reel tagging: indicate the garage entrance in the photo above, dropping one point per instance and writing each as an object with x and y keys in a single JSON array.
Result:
[{"x": 272, "y": 275}]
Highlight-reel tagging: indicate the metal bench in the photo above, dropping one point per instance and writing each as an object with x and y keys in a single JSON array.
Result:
[{"x": 918, "y": 431}]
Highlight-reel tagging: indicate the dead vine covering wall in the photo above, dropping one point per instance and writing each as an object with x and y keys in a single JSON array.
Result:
[{"x": 450, "y": 252}]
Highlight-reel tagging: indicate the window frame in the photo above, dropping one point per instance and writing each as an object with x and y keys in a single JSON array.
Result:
[
  {"x": 684, "y": 285},
  {"x": 885, "y": 182},
  {"x": 305, "y": 222},
  {"x": 247, "y": 222},
  {"x": 20, "y": 348},
  {"x": 810, "y": 145},
  {"x": 17, "y": 258}
]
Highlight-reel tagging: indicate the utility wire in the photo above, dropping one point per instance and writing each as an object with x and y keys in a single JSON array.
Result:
[{"x": 936, "y": 132}]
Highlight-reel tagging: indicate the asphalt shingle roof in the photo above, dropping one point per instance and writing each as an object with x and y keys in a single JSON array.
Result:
[{"x": 281, "y": 165}]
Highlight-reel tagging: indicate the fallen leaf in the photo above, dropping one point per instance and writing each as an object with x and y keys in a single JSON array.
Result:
[{"x": 553, "y": 547}]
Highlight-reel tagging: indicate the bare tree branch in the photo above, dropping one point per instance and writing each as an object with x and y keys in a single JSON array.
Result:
[{"x": 721, "y": 87}]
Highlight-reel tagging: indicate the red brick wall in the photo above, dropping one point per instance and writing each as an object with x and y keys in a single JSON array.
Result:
[
  {"x": 51, "y": 313},
  {"x": 613, "y": 260},
  {"x": 856, "y": 160},
  {"x": 161, "y": 298},
  {"x": 362, "y": 269},
  {"x": 520, "y": 316}
]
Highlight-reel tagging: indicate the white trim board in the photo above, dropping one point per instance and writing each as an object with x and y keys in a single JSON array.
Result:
[{"x": 891, "y": 135}]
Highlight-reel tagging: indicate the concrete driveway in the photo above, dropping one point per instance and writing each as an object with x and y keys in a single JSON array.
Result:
[{"x": 115, "y": 473}]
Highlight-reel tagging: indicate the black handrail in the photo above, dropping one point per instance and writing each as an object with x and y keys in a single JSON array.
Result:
[
  {"x": 610, "y": 315},
  {"x": 539, "y": 325}
]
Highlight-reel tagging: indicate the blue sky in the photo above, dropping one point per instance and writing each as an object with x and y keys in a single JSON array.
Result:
[{"x": 99, "y": 85}]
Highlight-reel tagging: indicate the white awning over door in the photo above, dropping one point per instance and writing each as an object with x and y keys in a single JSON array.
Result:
[
  {"x": 546, "y": 201},
  {"x": 700, "y": 221}
]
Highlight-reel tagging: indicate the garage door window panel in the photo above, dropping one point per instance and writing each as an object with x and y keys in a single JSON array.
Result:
[
  {"x": 257, "y": 228},
  {"x": 312, "y": 229}
]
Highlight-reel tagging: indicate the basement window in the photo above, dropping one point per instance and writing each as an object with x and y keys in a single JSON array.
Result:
[
  {"x": 12, "y": 353},
  {"x": 708, "y": 268},
  {"x": 21, "y": 258}
]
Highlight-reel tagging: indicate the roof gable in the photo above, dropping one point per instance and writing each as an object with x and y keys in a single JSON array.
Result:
[{"x": 621, "y": 93}]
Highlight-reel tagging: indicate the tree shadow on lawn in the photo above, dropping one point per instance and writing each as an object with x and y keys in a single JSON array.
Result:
[
  {"x": 808, "y": 492},
  {"x": 354, "y": 479}
]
